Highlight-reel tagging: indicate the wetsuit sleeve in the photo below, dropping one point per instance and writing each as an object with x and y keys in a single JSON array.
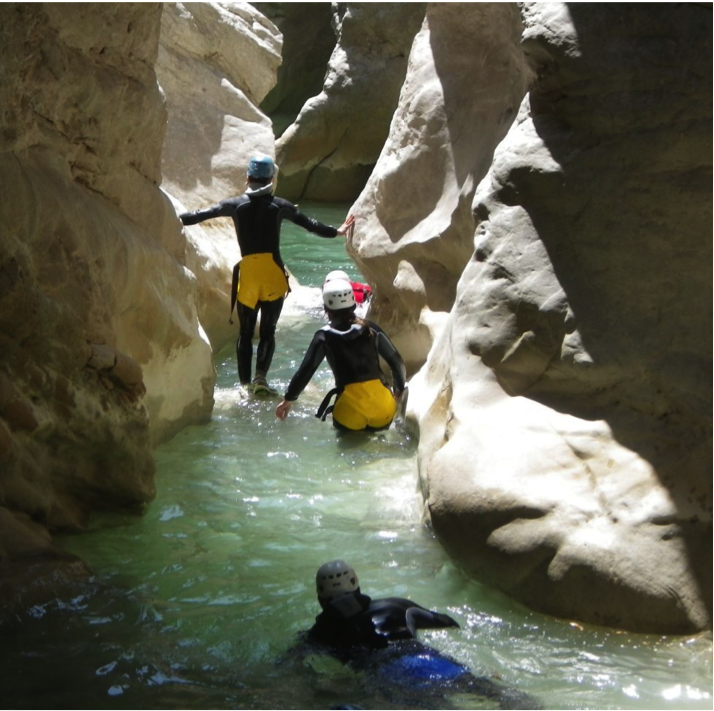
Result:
[
  {"x": 313, "y": 357},
  {"x": 290, "y": 212},
  {"x": 222, "y": 209},
  {"x": 388, "y": 351}
]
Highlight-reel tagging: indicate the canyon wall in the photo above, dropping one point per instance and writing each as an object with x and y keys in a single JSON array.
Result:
[
  {"x": 308, "y": 42},
  {"x": 564, "y": 411},
  {"x": 216, "y": 63},
  {"x": 101, "y": 349},
  {"x": 537, "y": 230},
  {"x": 465, "y": 80},
  {"x": 329, "y": 151}
]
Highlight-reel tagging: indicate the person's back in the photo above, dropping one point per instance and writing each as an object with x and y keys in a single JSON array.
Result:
[
  {"x": 260, "y": 276},
  {"x": 353, "y": 347}
]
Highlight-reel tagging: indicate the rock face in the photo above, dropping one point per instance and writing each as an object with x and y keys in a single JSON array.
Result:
[
  {"x": 217, "y": 61},
  {"x": 330, "y": 150},
  {"x": 97, "y": 309},
  {"x": 308, "y": 42},
  {"x": 565, "y": 411},
  {"x": 466, "y": 78}
]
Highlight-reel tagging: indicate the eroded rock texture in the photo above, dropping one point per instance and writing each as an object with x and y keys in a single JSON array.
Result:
[
  {"x": 308, "y": 41},
  {"x": 330, "y": 150},
  {"x": 216, "y": 63},
  {"x": 565, "y": 411},
  {"x": 99, "y": 338},
  {"x": 466, "y": 78}
]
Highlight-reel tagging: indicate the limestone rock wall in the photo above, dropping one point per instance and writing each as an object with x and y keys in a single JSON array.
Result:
[
  {"x": 465, "y": 80},
  {"x": 97, "y": 308},
  {"x": 330, "y": 150},
  {"x": 308, "y": 42},
  {"x": 565, "y": 410},
  {"x": 216, "y": 63}
]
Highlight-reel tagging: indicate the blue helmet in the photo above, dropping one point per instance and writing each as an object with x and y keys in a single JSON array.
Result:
[{"x": 261, "y": 167}]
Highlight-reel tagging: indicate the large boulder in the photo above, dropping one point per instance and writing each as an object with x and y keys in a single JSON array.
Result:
[
  {"x": 330, "y": 150},
  {"x": 97, "y": 308},
  {"x": 466, "y": 78},
  {"x": 216, "y": 63},
  {"x": 565, "y": 411}
]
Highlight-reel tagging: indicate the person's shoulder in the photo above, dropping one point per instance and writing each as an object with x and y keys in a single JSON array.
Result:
[
  {"x": 283, "y": 203},
  {"x": 236, "y": 201}
]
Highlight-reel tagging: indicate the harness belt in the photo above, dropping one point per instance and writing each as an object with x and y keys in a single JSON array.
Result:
[{"x": 325, "y": 407}]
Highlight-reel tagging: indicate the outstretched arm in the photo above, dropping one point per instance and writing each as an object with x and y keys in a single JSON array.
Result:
[
  {"x": 291, "y": 212},
  {"x": 223, "y": 209}
]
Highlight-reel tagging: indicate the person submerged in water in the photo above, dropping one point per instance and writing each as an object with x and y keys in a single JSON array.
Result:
[
  {"x": 263, "y": 283},
  {"x": 352, "y": 346},
  {"x": 379, "y": 637}
]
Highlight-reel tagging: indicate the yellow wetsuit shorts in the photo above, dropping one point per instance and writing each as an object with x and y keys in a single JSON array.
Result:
[
  {"x": 261, "y": 279},
  {"x": 361, "y": 405}
]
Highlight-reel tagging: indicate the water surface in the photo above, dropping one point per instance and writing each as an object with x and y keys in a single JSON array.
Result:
[{"x": 195, "y": 603}]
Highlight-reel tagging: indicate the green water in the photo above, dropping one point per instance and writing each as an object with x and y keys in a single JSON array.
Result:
[{"x": 195, "y": 603}]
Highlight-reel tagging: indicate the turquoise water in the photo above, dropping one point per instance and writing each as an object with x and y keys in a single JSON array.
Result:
[{"x": 196, "y": 603}]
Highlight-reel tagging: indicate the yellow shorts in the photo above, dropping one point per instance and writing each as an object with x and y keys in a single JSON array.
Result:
[
  {"x": 362, "y": 405},
  {"x": 261, "y": 279}
]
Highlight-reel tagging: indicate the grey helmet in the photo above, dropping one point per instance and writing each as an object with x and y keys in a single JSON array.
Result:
[{"x": 335, "y": 579}]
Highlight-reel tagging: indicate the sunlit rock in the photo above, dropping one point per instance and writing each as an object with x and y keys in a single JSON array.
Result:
[
  {"x": 308, "y": 41},
  {"x": 565, "y": 410},
  {"x": 465, "y": 81},
  {"x": 330, "y": 150},
  {"x": 216, "y": 63},
  {"x": 96, "y": 304}
]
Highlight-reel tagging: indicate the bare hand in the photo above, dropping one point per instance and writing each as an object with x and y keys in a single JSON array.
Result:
[
  {"x": 282, "y": 410},
  {"x": 347, "y": 227}
]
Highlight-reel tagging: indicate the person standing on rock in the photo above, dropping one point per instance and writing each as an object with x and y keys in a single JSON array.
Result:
[{"x": 263, "y": 281}]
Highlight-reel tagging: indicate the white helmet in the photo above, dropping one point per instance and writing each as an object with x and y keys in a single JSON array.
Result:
[
  {"x": 338, "y": 294},
  {"x": 337, "y": 274},
  {"x": 335, "y": 579}
]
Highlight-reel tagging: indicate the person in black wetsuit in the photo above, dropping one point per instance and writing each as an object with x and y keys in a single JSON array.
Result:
[
  {"x": 263, "y": 284},
  {"x": 352, "y": 347},
  {"x": 379, "y": 637}
]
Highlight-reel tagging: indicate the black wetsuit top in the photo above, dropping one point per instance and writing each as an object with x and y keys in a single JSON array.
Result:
[
  {"x": 257, "y": 219},
  {"x": 356, "y": 619},
  {"x": 352, "y": 351}
]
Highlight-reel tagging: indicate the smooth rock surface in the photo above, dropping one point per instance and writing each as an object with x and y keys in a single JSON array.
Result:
[
  {"x": 97, "y": 308},
  {"x": 465, "y": 80},
  {"x": 565, "y": 410},
  {"x": 216, "y": 63},
  {"x": 308, "y": 42},
  {"x": 330, "y": 150}
]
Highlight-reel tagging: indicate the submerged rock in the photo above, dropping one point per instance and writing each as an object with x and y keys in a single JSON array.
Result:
[{"x": 565, "y": 410}]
